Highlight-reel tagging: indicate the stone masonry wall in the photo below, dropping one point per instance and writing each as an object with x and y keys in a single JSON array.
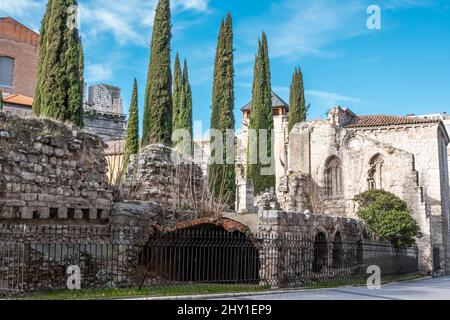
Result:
[
  {"x": 411, "y": 169},
  {"x": 49, "y": 170},
  {"x": 158, "y": 176}
]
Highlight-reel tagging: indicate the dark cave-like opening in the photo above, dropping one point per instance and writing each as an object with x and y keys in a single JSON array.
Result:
[{"x": 203, "y": 254}]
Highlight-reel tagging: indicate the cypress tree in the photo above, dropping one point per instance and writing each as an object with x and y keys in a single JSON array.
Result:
[
  {"x": 297, "y": 107},
  {"x": 215, "y": 113},
  {"x": 265, "y": 48},
  {"x": 59, "y": 91},
  {"x": 132, "y": 138},
  {"x": 222, "y": 177},
  {"x": 177, "y": 91},
  {"x": 186, "y": 115},
  {"x": 157, "y": 122},
  {"x": 41, "y": 58},
  {"x": 261, "y": 118}
]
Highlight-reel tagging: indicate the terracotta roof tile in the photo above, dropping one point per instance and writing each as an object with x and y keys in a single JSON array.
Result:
[
  {"x": 18, "y": 99},
  {"x": 384, "y": 120}
]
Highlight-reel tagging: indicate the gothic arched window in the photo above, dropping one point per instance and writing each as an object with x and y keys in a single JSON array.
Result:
[
  {"x": 6, "y": 71},
  {"x": 333, "y": 176},
  {"x": 375, "y": 179}
]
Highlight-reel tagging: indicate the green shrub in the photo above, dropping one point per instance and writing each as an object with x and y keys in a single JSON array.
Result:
[{"x": 388, "y": 217}]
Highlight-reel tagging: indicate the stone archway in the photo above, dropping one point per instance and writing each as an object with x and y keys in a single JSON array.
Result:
[
  {"x": 320, "y": 252},
  {"x": 337, "y": 250},
  {"x": 200, "y": 251}
]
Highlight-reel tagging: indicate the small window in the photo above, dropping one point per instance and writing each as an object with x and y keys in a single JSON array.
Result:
[
  {"x": 333, "y": 177},
  {"x": 71, "y": 213},
  {"x": 6, "y": 71},
  {"x": 86, "y": 213},
  {"x": 36, "y": 215},
  {"x": 99, "y": 214},
  {"x": 375, "y": 179},
  {"x": 54, "y": 213}
]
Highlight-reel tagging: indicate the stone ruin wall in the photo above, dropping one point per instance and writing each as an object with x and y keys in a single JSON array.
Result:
[
  {"x": 158, "y": 176},
  {"x": 409, "y": 167},
  {"x": 51, "y": 171}
]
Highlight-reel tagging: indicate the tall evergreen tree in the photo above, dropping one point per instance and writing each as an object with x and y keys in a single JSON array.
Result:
[
  {"x": 261, "y": 118},
  {"x": 222, "y": 175},
  {"x": 177, "y": 91},
  {"x": 297, "y": 106},
  {"x": 1, "y": 100},
  {"x": 41, "y": 58},
  {"x": 183, "y": 120},
  {"x": 157, "y": 122},
  {"x": 59, "y": 91},
  {"x": 186, "y": 115},
  {"x": 132, "y": 138},
  {"x": 265, "y": 48}
]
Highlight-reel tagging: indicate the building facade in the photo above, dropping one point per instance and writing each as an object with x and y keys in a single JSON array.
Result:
[
  {"x": 445, "y": 117},
  {"x": 103, "y": 112},
  {"x": 18, "y": 58},
  {"x": 280, "y": 110},
  {"x": 323, "y": 164},
  {"x": 19, "y": 48},
  {"x": 347, "y": 154}
]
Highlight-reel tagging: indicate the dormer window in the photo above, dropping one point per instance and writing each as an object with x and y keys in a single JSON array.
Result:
[{"x": 6, "y": 72}]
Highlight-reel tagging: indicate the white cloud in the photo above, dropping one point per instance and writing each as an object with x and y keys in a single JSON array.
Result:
[
  {"x": 198, "y": 5},
  {"x": 98, "y": 73},
  {"x": 332, "y": 99},
  {"x": 29, "y": 11},
  {"x": 305, "y": 28},
  {"x": 128, "y": 21},
  {"x": 298, "y": 28}
]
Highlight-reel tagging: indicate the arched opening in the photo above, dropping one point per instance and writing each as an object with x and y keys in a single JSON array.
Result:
[
  {"x": 6, "y": 71},
  {"x": 337, "y": 250},
  {"x": 320, "y": 252},
  {"x": 200, "y": 254},
  {"x": 375, "y": 174},
  {"x": 333, "y": 176},
  {"x": 359, "y": 252}
]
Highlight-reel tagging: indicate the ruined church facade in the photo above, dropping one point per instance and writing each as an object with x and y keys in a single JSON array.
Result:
[{"x": 322, "y": 164}]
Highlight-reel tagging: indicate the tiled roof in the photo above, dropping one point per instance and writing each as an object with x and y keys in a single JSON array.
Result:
[
  {"x": 18, "y": 99},
  {"x": 276, "y": 103},
  {"x": 384, "y": 120}
]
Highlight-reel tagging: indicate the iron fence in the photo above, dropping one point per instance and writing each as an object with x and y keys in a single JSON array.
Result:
[{"x": 38, "y": 258}]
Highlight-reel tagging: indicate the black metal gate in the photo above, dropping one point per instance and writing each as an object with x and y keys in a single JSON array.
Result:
[
  {"x": 11, "y": 268},
  {"x": 206, "y": 255},
  {"x": 436, "y": 259}
]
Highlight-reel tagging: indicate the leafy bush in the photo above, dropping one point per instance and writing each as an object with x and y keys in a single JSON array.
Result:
[{"x": 388, "y": 217}]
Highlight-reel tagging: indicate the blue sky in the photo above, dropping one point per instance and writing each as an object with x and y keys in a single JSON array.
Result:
[{"x": 402, "y": 68}]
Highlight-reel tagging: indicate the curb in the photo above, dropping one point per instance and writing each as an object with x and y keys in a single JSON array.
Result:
[{"x": 261, "y": 293}]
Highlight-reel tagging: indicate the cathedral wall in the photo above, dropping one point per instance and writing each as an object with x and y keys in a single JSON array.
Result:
[
  {"x": 359, "y": 160},
  {"x": 279, "y": 146},
  {"x": 428, "y": 144}
]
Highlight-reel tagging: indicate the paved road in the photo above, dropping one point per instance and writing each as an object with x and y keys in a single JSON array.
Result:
[{"x": 427, "y": 289}]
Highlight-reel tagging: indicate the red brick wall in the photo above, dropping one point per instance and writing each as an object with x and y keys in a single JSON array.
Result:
[{"x": 20, "y": 43}]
